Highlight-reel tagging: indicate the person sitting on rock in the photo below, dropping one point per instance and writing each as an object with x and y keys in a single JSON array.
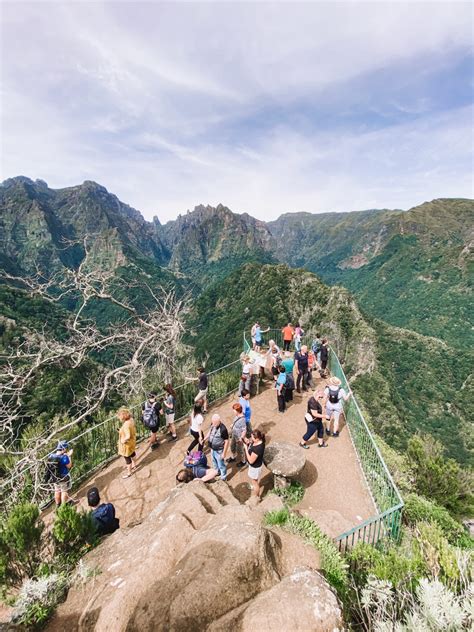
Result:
[
  {"x": 103, "y": 515},
  {"x": 204, "y": 474}
]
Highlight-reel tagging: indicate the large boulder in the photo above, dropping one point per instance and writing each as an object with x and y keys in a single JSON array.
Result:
[{"x": 200, "y": 559}]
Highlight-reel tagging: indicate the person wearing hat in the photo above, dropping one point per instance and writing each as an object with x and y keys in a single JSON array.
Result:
[
  {"x": 335, "y": 395},
  {"x": 59, "y": 464},
  {"x": 103, "y": 514}
]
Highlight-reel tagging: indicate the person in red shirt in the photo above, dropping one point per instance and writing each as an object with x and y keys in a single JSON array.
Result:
[{"x": 288, "y": 334}]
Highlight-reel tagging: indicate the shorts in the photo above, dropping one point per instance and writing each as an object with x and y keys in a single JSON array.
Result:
[
  {"x": 153, "y": 429},
  {"x": 63, "y": 486},
  {"x": 201, "y": 395},
  {"x": 169, "y": 419},
  {"x": 335, "y": 409},
  {"x": 254, "y": 472},
  {"x": 128, "y": 459}
]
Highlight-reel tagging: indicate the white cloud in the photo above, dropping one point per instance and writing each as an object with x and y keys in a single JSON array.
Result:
[{"x": 172, "y": 104}]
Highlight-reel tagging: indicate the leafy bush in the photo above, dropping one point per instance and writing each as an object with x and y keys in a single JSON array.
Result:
[
  {"x": 334, "y": 567},
  {"x": 291, "y": 495},
  {"x": 439, "y": 478},
  {"x": 73, "y": 532},
  {"x": 38, "y": 598},
  {"x": 420, "y": 509},
  {"x": 20, "y": 543}
]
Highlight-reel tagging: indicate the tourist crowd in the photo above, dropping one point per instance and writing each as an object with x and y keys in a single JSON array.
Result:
[{"x": 238, "y": 446}]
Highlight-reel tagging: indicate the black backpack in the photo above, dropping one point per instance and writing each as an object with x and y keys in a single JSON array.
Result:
[
  {"x": 334, "y": 395},
  {"x": 52, "y": 468},
  {"x": 150, "y": 418}
]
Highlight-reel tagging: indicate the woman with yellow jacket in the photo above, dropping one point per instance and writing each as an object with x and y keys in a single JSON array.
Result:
[{"x": 127, "y": 440}]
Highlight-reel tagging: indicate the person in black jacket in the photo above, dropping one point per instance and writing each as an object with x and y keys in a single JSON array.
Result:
[
  {"x": 314, "y": 420},
  {"x": 302, "y": 364}
]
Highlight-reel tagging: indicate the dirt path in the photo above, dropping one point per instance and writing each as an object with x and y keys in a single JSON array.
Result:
[{"x": 336, "y": 495}]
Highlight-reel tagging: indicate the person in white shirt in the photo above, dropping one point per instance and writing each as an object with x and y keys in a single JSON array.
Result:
[
  {"x": 335, "y": 395},
  {"x": 246, "y": 375},
  {"x": 196, "y": 420}
]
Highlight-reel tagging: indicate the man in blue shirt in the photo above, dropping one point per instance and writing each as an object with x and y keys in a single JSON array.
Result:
[
  {"x": 59, "y": 464},
  {"x": 245, "y": 403},
  {"x": 280, "y": 385}
]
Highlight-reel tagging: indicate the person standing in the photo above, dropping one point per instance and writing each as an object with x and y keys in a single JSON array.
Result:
[
  {"x": 324, "y": 356},
  {"x": 239, "y": 430},
  {"x": 280, "y": 386},
  {"x": 252, "y": 334},
  {"x": 203, "y": 385},
  {"x": 58, "y": 466},
  {"x": 259, "y": 337},
  {"x": 127, "y": 443},
  {"x": 288, "y": 362},
  {"x": 302, "y": 363},
  {"x": 169, "y": 409},
  {"x": 298, "y": 336},
  {"x": 276, "y": 362},
  {"x": 151, "y": 418},
  {"x": 335, "y": 395},
  {"x": 254, "y": 451},
  {"x": 196, "y": 420},
  {"x": 244, "y": 401},
  {"x": 314, "y": 420},
  {"x": 218, "y": 439},
  {"x": 288, "y": 334},
  {"x": 245, "y": 378}
]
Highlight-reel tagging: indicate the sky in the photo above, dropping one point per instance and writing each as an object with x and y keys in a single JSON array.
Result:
[{"x": 265, "y": 107}]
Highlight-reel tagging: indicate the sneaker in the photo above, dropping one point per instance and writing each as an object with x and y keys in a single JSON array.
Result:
[
  {"x": 230, "y": 460},
  {"x": 303, "y": 445},
  {"x": 323, "y": 445},
  {"x": 335, "y": 434},
  {"x": 175, "y": 438},
  {"x": 154, "y": 446},
  {"x": 328, "y": 432},
  {"x": 241, "y": 464}
]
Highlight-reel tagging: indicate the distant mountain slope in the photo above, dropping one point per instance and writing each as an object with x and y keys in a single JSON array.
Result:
[
  {"x": 412, "y": 269},
  {"x": 209, "y": 242},
  {"x": 36, "y": 223}
]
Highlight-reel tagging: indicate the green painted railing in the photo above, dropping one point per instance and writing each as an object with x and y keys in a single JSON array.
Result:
[
  {"x": 96, "y": 445},
  {"x": 384, "y": 492},
  {"x": 385, "y": 495}
]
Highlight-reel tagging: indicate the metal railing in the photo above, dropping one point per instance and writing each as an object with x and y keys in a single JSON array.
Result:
[
  {"x": 95, "y": 446},
  {"x": 382, "y": 488},
  {"x": 384, "y": 492}
]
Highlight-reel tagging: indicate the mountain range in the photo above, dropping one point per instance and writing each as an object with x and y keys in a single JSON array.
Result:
[{"x": 407, "y": 274}]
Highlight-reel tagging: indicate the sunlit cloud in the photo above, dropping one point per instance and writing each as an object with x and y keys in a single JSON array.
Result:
[{"x": 265, "y": 107}]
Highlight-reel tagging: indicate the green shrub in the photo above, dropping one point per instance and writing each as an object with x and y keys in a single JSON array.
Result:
[
  {"x": 332, "y": 564},
  {"x": 291, "y": 495},
  {"x": 419, "y": 509},
  {"x": 438, "y": 478},
  {"x": 20, "y": 543},
  {"x": 73, "y": 532}
]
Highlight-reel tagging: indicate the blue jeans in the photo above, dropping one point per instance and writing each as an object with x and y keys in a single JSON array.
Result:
[{"x": 218, "y": 463}]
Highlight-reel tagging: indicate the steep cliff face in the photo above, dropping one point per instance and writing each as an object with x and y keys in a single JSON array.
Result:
[
  {"x": 210, "y": 242},
  {"x": 38, "y": 224}
]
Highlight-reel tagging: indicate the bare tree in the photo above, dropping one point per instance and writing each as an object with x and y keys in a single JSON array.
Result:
[{"x": 145, "y": 337}]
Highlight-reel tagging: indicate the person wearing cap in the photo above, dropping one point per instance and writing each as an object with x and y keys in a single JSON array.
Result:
[
  {"x": 335, "y": 395},
  {"x": 60, "y": 462},
  {"x": 103, "y": 514}
]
